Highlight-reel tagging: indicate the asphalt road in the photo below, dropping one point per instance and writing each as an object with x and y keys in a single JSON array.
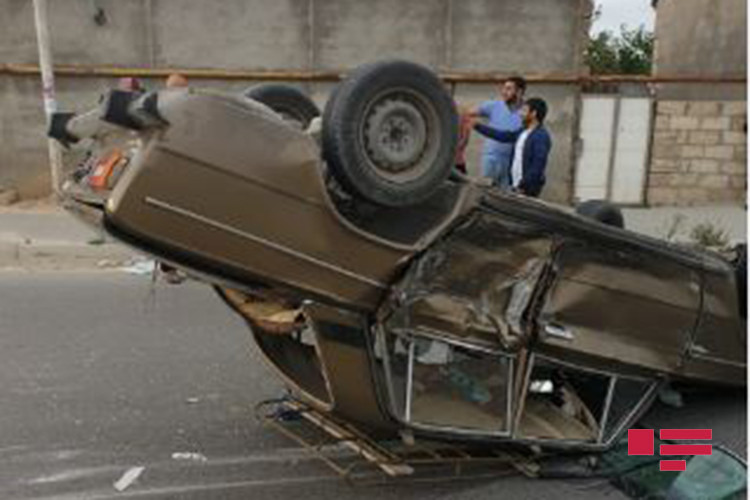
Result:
[{"x": 103, "y": 373}]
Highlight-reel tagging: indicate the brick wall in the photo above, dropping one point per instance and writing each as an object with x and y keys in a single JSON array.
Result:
[{"x": 699, "y": 153}]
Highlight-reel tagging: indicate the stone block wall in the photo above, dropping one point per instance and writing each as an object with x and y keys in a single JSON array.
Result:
[{"x": 699, "y": 153}]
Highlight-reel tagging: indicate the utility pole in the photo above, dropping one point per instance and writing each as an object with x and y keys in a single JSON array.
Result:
[{"x": 48, "y": 88}]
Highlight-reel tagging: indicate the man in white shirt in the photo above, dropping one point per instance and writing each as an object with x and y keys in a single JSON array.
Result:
[{"x": 516, "y": 169}]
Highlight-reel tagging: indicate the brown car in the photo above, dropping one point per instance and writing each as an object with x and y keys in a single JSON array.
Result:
[{"x": 390, "y": 291}]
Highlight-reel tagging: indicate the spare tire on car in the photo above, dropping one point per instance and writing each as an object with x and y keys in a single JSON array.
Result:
[
  {"x": 602, "y": 211},
  {"x": 292, "y": 104},
  {"x": 390, "y": 133}
]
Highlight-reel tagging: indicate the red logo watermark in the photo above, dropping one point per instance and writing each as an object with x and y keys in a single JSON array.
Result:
[{"x": 641, "y": 442}]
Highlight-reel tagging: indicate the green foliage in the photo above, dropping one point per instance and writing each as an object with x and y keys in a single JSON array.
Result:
[
  {"x": 629, "y": 53},
  {"x": 707, "y": 235}
]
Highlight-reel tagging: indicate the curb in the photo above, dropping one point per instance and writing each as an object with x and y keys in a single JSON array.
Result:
[{"x": 50, "y": 255}]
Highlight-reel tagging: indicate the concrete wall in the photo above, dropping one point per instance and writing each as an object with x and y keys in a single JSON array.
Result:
[
  {"x": 701, "y": 37},
  {"x": 505, "y": 36}
]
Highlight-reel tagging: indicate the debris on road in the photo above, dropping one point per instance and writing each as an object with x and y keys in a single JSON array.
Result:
[
  {"x": 187, "y": 455},
  {"x": 106, "y": 264},
  {"x": 129, "y": 477},
  {"x": 140, "y": 267}
]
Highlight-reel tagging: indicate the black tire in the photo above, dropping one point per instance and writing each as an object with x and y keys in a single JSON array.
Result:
[
  {"x": 602, "y": 211},
  {"x": 293, "y": 105},
  {"x": 389, "y": 133},
  {"x": 332, "y": 96}
]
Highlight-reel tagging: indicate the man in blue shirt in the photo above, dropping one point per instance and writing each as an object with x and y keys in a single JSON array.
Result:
[
  {"x": 530, "y": 148},
  {"x": 501, "y": 114}
]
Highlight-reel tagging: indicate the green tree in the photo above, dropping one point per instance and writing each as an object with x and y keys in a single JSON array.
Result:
[{"x": 629, "y": 53}]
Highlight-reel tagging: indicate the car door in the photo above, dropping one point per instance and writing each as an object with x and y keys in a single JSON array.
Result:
[
  {"x": 717, "y": 351},
  {"x": 452, "y": 344},
  {"x": 621, "y": 304}
]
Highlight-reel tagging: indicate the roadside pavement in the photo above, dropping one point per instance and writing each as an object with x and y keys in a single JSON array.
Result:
[
  {"x": 51, "y": 239},
  {"x": 44, "y": 237}
]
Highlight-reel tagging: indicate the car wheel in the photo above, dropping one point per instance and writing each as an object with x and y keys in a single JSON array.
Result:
[
  {"x": 389, "y": 133},
  {"x": 294, "y": 107},
  {"x": 602, "y": 211}
]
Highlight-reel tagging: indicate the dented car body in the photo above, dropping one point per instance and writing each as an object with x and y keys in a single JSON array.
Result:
[{"x": 473, "y": 315}]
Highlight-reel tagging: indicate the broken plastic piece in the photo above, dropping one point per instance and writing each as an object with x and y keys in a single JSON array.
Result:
[{"x": 129, "y": 477}]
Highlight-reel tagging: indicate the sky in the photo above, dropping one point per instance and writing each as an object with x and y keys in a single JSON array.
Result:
[{"x": 632, "y": 13}]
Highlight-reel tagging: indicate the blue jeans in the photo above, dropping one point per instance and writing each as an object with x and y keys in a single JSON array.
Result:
[{"x": 497, "y": 168}]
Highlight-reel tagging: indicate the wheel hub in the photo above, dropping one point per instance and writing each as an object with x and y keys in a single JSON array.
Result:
[{"x": 396, "y": 135}]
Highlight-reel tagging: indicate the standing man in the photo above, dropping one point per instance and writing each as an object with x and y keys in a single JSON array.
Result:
[
  {"x": 129, "y": 83},
  {"x": 465, "y": 124},
  {"x": 530, "y": 148},
  {"x": 501, "y": 114}
]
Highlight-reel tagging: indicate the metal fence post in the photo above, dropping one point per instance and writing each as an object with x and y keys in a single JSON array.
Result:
[{"x": 48, "y": 88}]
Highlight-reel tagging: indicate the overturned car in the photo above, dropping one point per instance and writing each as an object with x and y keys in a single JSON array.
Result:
[{"x": 389, "y": 291}]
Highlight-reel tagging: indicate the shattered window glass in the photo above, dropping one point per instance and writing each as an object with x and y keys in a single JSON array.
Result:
[
  {"x": 459, "y": 388},
  {"x": 719, "y": 476},
  {"x": 625, "y": 399},
  {"x": 563, "y": 403}
]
